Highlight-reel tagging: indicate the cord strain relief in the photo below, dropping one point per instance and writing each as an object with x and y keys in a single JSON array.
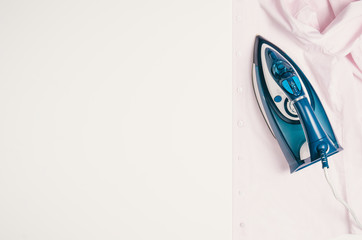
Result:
[{"x": 324, "y": 159}]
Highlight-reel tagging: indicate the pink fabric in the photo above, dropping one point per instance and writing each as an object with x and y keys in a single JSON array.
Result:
[{"x": 325, "y": 40}]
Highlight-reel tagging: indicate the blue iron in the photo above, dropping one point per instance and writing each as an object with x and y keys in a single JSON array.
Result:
[{"x": 291, "y": 108}]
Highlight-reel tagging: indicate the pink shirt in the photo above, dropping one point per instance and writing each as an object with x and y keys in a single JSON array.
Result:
[{"x": 325, "y": 39}]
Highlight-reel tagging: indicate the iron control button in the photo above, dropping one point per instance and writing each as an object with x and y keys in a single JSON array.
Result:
[
  {"x": 287, "y": 87},
  {"x": 277, "y": 98}
]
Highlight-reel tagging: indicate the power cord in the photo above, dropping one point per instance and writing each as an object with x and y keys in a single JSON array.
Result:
[{"x": 339, "y": 199}]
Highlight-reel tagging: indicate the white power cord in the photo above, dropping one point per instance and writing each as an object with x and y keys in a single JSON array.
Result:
[{"x": 339, "y": 199}]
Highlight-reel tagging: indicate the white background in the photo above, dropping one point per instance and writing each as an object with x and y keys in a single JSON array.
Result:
[{"x": 115, "y": 120}]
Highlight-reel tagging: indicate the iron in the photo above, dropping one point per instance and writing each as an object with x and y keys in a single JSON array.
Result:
[{"x": 291, "y": 108}]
